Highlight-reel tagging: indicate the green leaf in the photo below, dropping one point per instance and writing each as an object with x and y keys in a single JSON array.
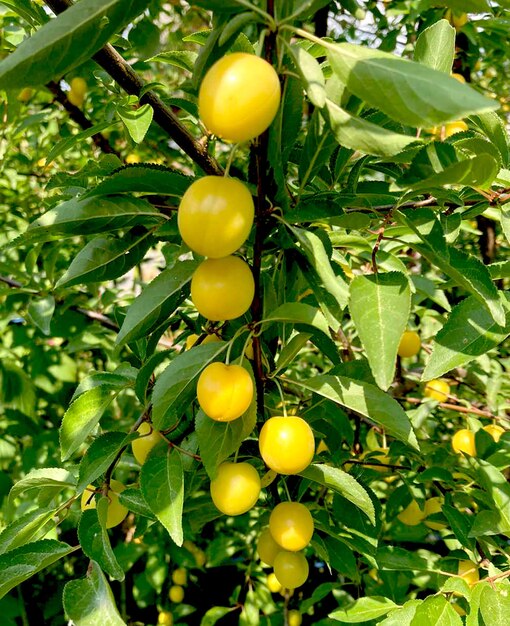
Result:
[
  {"x": 217, "y": 441},
  {"x": 81, "y": 418},
  {"x": 22, "y": 563},
  {"x": 175, "y": 387},
  {"x": 344, "y": 484},
  {"x": 133, "y": 499},
  {"x": 100, "y": 454},
  {"x": 162, "y": 485},
  {"x": 67, "y": 143},
  {"x": 402, "y": 88},
  {"x": 313, "y": 249},
  {"x": 40, "y": 313},
  {"x": 184, "y": 59},
  {"x": 310, "y": 72},
  {"x": 213, "y": 615},
  {"x": 66, "y": 41},
  {"x": 469, "y": 332},
  {"x": 319, "y": 146},
  {"x": 359, "y": 134},
  {"x": 495, "y": 604},
  {"x": 146, "y": 177},
  {"x": 494, "y": 483},
  {"x": 137, "y": 121},
  {"x": 290, "y": 350},
  {"x": 156, "y": 302},
  {"x": 398, "y": 559},
  {"x": 492, "y": 126},
  {"x": 88, "y": 216},
  {"x": 364, "y": 609},
  {"x": 90, "y": 601},
  {"x": 463, "y": 269},
  {"x": 28, "y": 527},
  {"x": 435, "y": 47},
  {"x": 380, "y": 305},
  {"x": 54, "y": 479},
  {"x": 402, "y": 616},
  {"x": 436, "y": 610},
  {"x": 106, "y": 258},
  {"x": 365, "y": 399},
  {"x": 94, "y": 540},
  {"x": 298, "y": 313}
]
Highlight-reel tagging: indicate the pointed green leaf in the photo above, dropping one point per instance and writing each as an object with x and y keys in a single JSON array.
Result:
[
  {"x": 437, "y": 610},
  {"x": 81, "y": 418},
  {"x": 52, "y": 478},
  {"x": 100, "y": 454},
  {"x": 364, "y": 609},
  {"x": 175, "y": 387},
  {"x": 66, "y": 41},
  {"x": 494, "y": 483},
  {"x": 157, "y": 301},
  {"x": 162, "y": 485},
  {"x": 89, "y": 601},
  {"x": 365, "y": 399},
  {"x": 495, "y": 604},
  {"x": 137, "y": 121},
  {"x": 94, "y": 540},
  {"x": 380, "y": 305},
  {"x": 298, "y": 313},
  {"x": 435, "y": 47},
  {"x": 40, "y": 313},
  {"x": 402, "y": 88},
  {"x": 146, "y": 177},
  {"x": 311, "y": 74},
  {"x": 22, "y": 563},
  {"x": 28, "y": 527},
  {"x": 344, "y": 484},
  {"x": 469, "y": 332}
]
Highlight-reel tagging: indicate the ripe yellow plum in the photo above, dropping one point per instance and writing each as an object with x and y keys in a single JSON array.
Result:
[
  {"x": 287, "y": 444},
  {"x": 116, "y": 511},
  {"x": 236, "y": 488},
  {"x": 224, "y": 392}
]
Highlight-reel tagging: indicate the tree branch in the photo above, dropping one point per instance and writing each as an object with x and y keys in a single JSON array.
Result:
[{"x": 113, "y": 63}]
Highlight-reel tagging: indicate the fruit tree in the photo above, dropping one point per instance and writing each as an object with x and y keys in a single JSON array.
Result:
[{"x": 253, "y": 282}]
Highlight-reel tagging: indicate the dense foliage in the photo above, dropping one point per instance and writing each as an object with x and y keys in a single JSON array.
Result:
[{"x": 369, "y": 299}]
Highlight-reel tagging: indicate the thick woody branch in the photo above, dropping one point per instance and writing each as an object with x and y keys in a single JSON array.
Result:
[{"x": 113, "y": 63}]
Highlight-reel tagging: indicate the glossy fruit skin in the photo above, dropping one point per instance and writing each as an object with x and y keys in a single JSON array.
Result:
[
  {"x": 224, "y": 392},
  {"x": 180, "y": 576},
  {"x": 273, "y": 584},
  {"x": 267, "y": 547},
  {"x": 291, "y": 525},
  {"x": 116, "y": 511},
  {"x": 165, "y": 618},
  {"x": 239, "y": 97},
  {"x": 469, "y": 572},
  {"x": 410, "y": 344},
  {"x": 287, "y": 444},
  {"x": 193, "y": 338},
  {"x": 236, "y": 488},
  {"x": 494, "y": 431},
  {"x": 144, "y": 444},
  {"x": 176, "y": 594},
  {"x": 215, "y": 216},
  {"x": 464, "y": 441},
  {"x": 437, "y": 389},
  {"x": 222, "y": 289},
  {"x": 432, "y": 506},
  {"x": 294, "y": 618},
  {"x": 291, "y": 569},
  {"x": 412, "y": 515}
]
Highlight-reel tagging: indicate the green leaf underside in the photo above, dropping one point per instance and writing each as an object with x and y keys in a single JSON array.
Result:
[
  {"x": 435, "y": 46},
  {"x": 162, "y": 485},
  {"x": 66, "y": 41},
  {"x": 380, "y": 305},
  {"x": 364, "y": 609},
  {"x": 89, "y": 601},
  {"x": 365, "y": 399}
]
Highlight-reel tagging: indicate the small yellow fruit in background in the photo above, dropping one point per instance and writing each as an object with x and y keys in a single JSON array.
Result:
[
  {"x": 273, "y": 584},
  {"x": 25, "y": 94},
  {"x": 494, "y": 431},
  {"x": 437, "y": 389},
  {"x": 433, "y": 506},
  {"x": 412, "y": 515},
  {"x": 458, "y": 77},
  {"x": 267, "y": 547},
  {"x": 193, "y": 338},
  {"x": 291, "y": 569},
  {"x": 287, "y": 444},
  {"x": 291, "y": 525},
  {"x": 75, "y": 98},
  {"x": 409, "y": 345},
  {"x": 454, "y": 127},
  {"x": 294, "y": 618},
  {"x": 133, "y": 158},
  {"x": 458, "y": 609},
  {"x": 322, "y": 447},
  {"x": 236, "y": 488},
  {"x": 459, "y": 20},
  {"x": 144, "y": 444},
  {"x": 222, "y": 289},
  {"x": 464, "y": 441},
  {"x": 79, "y": 86},
  {"x": 165, "y": 618},
  {"x": 224, "y": 392},
  {"x": 116, "y": 511},
  {"x": 180, "y": 576},
  {"x": 176, "y": 594},
  {"x": 469, "y": 572},
  {"x": 239, "y": 97}
]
